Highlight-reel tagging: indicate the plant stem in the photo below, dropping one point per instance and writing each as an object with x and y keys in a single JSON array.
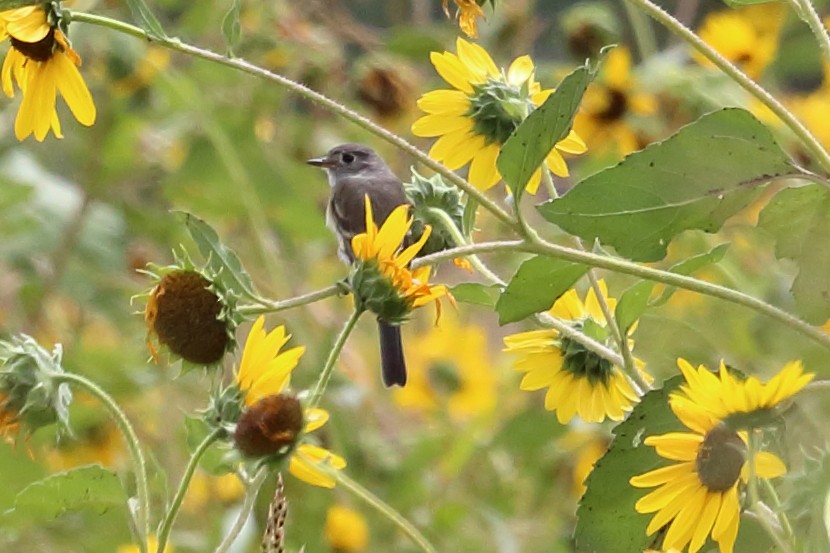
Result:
[
  {"x": 244, "y": 510},
  {"x": 809, "y": 141},
  {"x": 807, "y": 12},
  {"x": 386, "y": 510},
  {"x": 449, "y": 225},
  {"x": 173, "y": 511},
  {"x": 305, "y": 92},
  {"x": 755, "y": 504},
  {"x": 271, "y": 306},
  {"x": 136, "y": 456},
  {"x": 334, "y": 354},
  {"x": 643, "y": 33}
]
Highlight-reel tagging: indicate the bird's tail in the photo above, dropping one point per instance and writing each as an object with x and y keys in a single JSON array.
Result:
[{"x": 393, "y": 365}]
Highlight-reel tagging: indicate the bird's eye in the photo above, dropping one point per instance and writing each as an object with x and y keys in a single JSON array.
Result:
[{"x": 347, "y": 158}]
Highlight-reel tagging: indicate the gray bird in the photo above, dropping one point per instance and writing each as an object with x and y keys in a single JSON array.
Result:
[{"x": 355, "y": 170}]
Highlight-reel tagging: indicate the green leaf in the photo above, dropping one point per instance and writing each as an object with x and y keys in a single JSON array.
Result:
[
  {"x": 143, "y": 14},
  {"x": 476, "y": 294},
  {"x": 531, "y": 142},
  {"x": 91, "y": 487},
  {"x": 695, "y": 179},
  {"x": 220, "y": 258},
  {"x": 799, "y": 220},
  {"x": 230, "y": 26},
  {"x": 689, "y": 266},
  {"x": 632, "y": 304},
  {"x": 606, "y": 519},
  {"x": 535, "y": 286}
]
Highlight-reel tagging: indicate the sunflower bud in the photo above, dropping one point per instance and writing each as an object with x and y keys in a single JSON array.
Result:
[
  {"x": 30, "y": 395},
  {"x": 376, "y": 292},
  {"x": 269, "y": 427},
  {"x": 191, "y": 313},
  {"x": 428, "y": 196}
]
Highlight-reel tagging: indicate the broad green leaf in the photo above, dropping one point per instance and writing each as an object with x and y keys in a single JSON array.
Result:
[
  {"x": 145, "y": 17},
  {"x": 632, "y": 304},
  {"x": 799, "y": 220},
  {"x": 476, "y": 294},
  {"x": 529, "y": 144},
  {"x": 221, "y": 258},
  {"x": 689, "y": 266},
  {"x": 535, "y": 286},
  {"x": 92, "y": 487},
  {"x": 230, "y": 26},
  {"x": 606, "y": 519},
  {"x": 695, "y": 179}
]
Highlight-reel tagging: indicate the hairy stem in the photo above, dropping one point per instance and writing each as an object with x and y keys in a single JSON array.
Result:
[{"x": 331, "y": 361}]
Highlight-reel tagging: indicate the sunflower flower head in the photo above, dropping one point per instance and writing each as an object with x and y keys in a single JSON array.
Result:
[
  {"x": 483, "y": 108},
  {"x": 579, "y": 381},
  {"x": 698, "y": 496},
  {"x": 42, "y": 64},
  {"x": 30, "y": 395},
  {"x": 381, "y": 279},
  {"x": 190, "y": 312}
]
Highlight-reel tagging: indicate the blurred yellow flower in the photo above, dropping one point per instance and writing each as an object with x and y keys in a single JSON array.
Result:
[
  {"x": 579, "y": 381},
  {"x": 208, "y": 489},
  {"x": 264, "y": 369},
  {"x": 152, "y": 545},
  {"x": 468, "y": 12},
  {"x": 346, "y": 530},
  {"x": 485, "y": 106},
  {"x": 604, "y": 119},
  {"x": 450, "y": 369},
  {"x": 101, "y": 444},
  {"x": 585, "y": 447},
  {"x": 747, "y": 37},
  {"x": 42, "y": 64}
]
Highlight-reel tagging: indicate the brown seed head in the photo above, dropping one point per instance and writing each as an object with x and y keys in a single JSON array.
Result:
[{"x": 270, "y": 426}]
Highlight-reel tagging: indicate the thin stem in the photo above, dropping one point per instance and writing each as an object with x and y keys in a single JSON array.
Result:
[
  {"x": 810, "y": 142},
  {"x": 328, "y": 369},
  {"x": 244, "y": 511},
  {"x": 783, "y": 520},
  {"x": 304, "y": 91},
  {"x": 386, "y": 510},
  {"x": 173, "y": 511},
  {"x": 570, "y": 332},
  {"x": 547, "y": 178},
  {"x": 136, "y": 455},
  {"x": 463, "y": 251},
  {"x": 449, "y": 225},
  {"x": 270, "y": 306},
  {"x": 807, "y": 12},
  {"x": 643, "y": 32},
  {"x": 762, "y": 511}
]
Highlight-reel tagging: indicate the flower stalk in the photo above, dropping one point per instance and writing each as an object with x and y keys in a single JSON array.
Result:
[{"x": 331, "y": 361}]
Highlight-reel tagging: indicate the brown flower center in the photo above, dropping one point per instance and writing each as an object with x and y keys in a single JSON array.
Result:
[
  {"x": 616, "y": 106},
  {"x": 37, "y": 51},
  {"x": 720, "y": 459},
  {"x": 270, "y": 426}
]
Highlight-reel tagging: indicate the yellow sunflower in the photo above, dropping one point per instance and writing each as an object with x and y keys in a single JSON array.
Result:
[
  {"x": 264, "y": 374},
  {"x": 579, "y": 382},
  {"x": 468, "y": 13},
  {"x": 485, "y": 106},
  {"x": 747, "y": 37},
  {"x": 699, "y": 495},
  {"x": 398, "y": 289},
  {"x": 610, "y": 104},
  {"x": 42, "y": 64}
]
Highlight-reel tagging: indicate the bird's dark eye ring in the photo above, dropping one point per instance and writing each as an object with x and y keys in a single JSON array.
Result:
[{"x": 347, "y": 158}]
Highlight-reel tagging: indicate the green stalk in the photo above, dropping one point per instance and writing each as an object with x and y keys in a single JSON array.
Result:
[
  {"x": 142, "y": 523},
  {"x": 270, "y": 306},
  {"x": 334, "y": 354},
  {"x": 386, "y": 510},
  {"x": 809, "y": 141},
  {"x": 173, "y": 511},
  {"x": 244, "y": 511},
  {"x": 807, "y": 12}
]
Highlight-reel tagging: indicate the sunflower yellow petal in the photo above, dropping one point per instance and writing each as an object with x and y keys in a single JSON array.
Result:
[
  {"x": 438, "y": 124},
  {"x": 465, "y": 152},
  {"x": 73, "y": 89},
  {"x": 572, "y": 144},
  {"x": 476, "y": 59},
  {"x": 520, "y": 71},
  {"x": 483, "y": 172},
  {"x": 453, "y": 71},
  {"x": 446, "y": 102},
  {"x": 315, "y": 418},
  {"x": 556, "y": 164}
]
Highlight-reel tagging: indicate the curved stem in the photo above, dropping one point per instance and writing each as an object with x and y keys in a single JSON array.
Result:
[
  {"x": 136, "y": 456},
  {"x": 449, "y": 225},
  {"x": 304, "y": 91},
  {"x": 797, "y": 127},
  {"x": 244, "y": 511},
  {"x": 807, "y": 12},
  {"x": 173, "y": 511},
  {"x": 765, "y": 517},
  {"x": 270, "y": 306},
  {"x": 568, "y": 331},
  {"x": 328, "y": 369},
  {"x": 386, "y": 510}
]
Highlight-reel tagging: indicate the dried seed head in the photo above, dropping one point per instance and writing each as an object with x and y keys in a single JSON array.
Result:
[{"x": 270, "y": 426}]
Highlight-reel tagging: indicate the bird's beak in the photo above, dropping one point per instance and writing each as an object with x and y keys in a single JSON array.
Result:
[{"x": 324, "y": 162}]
